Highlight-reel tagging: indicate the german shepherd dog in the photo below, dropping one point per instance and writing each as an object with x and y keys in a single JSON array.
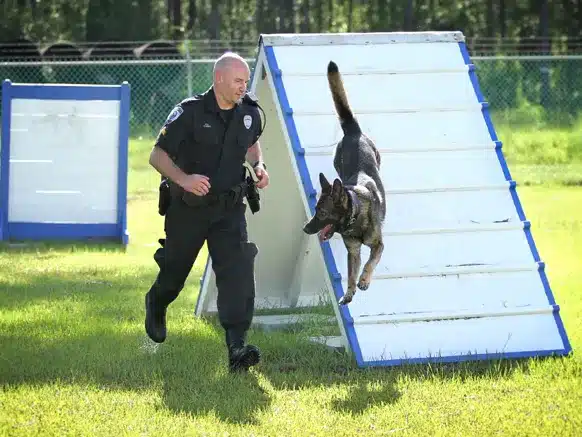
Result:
[{"x": 354, "y": 206}]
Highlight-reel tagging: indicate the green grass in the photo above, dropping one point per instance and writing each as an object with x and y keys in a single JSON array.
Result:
[
  {"x": 74, "y": 359},
  {"x": 541, "y": 153}
]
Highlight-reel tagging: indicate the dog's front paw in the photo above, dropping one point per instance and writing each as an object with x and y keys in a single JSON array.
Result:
[
  {"x": 346, "y": 298},
  {"x": 364, "y": 282}
]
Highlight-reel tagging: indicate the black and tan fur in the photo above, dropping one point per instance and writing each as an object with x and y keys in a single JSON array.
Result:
[{"x": 354, "y": 205}]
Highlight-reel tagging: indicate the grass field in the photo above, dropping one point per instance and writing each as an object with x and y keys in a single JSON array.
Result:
[{"x": 74, "y": 359}]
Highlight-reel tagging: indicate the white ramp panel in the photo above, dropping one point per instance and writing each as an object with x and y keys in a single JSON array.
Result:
[
  {"x": 64, "y": 162},
  {"x": 460, "y": 277}
]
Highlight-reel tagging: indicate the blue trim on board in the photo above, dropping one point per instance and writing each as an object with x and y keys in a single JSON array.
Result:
[
  {"x": 38, "y": 231},
  {"x": 65, "y": 92},
  {"x": 535, "y": 254},
  {"x": 122, "y": 169},
  {"x": 463, "y": 358},
  {"x": 310, "y": 192},
  {"x": 5, "y": 158},
  {"x": 62, "y": 231}
]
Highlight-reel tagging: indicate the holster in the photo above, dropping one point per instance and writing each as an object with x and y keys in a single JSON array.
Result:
[
  {"x": 165, "y": 197},
  {"x": 253, "y": 197},
  {"x": 252, "y": 194}
]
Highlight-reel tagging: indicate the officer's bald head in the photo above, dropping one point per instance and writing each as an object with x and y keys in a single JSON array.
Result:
[
  {"x": 231, "y": 74},
  {"x": 230, "y": 61}
]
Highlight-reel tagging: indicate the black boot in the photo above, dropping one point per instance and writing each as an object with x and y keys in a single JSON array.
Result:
[
  {"x": 240, "y": 356},
  {"x": 155, "y": 320}
]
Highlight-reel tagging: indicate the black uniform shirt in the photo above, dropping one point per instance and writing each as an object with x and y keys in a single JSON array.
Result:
[{"x": 204, "y": 139}]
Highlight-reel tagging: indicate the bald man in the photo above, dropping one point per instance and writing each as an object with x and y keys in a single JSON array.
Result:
[{"x": 200, "y": 151}]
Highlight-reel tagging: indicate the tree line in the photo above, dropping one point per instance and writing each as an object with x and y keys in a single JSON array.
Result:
[{"x": 535, "y": 25}]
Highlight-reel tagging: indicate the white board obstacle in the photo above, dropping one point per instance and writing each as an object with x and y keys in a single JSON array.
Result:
[
  {"x": 460, "y": 277},
  {"x": 63, "y": 173}
]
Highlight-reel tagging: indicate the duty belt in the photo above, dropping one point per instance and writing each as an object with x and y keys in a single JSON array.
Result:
[
  {"x": 226, "y": 199},
  {"x": 229, "y": 198}
]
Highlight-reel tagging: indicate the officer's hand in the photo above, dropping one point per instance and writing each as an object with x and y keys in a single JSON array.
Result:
[
  {"x": 196, "y": 183},
  {"x": 263, "y": 177}
]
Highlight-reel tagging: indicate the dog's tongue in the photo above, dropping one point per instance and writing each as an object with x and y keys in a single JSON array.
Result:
[{"x": 323, "y": 234}]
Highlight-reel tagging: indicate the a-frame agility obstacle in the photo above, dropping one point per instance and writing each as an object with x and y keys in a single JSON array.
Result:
[{"x": 460, "y": 277}]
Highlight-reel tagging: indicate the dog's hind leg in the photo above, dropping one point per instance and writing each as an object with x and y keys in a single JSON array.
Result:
[
  {"x": 354, "y": 261},
  {"x": 375, "y": 255}
]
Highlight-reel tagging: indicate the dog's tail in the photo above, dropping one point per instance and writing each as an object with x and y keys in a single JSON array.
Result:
[{"x": 340, "y": 99}]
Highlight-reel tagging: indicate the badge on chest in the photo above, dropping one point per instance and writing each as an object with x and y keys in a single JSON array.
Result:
[{"x": 248, "y": 121}]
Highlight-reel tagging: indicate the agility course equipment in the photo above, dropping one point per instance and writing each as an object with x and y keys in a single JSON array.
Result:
[
  {"x": 460, "y": 277},
  {"x": 63, "y": 172}
]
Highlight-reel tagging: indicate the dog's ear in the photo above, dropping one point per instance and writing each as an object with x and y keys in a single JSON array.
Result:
[
  {"x": 325, "y": 186},
  {"x": 337, "y": 191}
]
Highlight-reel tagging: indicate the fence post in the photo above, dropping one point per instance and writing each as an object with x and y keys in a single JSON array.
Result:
[
  {"x": 545, "y": 66},
  {"x": 188, "y": 66}
]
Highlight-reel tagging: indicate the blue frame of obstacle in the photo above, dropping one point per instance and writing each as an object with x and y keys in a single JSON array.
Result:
[
  {"x": 65, "y": 231},
  {"x": 335, "y": 276}
]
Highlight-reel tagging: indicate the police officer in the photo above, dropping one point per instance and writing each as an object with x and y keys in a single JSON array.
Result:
[{"x": 200, "y": 150}]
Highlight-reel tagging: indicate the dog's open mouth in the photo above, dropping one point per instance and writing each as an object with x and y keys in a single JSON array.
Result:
[{"x": 326, "y": 233}]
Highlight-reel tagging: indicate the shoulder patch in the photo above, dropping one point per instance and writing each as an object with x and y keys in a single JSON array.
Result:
[
  {"x": 176, "y": 112},
  {"x": 191, "y": 100},
  {"x": 248, "y": 121}
]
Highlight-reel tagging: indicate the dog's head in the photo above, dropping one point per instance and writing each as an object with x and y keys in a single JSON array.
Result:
[{"x": 330, "y": 210}]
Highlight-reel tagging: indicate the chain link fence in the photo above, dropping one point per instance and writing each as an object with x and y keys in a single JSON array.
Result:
[
  {"x": 552, "y": 84},
  {"x": 518, "y": 88}
]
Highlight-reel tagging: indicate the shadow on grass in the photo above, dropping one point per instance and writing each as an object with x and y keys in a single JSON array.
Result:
[
  {"x": 92, "y": 333},
  {"x": 188, "y": 371},
  {"x": 104, "y": 293},
  {"x": 291, "y": 361},
  {"x": 201, "y": 384},
  {"x": 89, "y": 331}
]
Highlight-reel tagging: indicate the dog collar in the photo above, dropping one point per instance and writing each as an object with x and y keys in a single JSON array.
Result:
[{"x": 355, "y": 209}]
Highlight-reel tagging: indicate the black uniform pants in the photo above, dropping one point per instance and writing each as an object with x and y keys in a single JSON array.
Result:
[{"x": 225, "y": 231}]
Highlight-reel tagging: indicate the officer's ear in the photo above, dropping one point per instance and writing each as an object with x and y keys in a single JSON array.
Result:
[{"x": 218, "y": 77}]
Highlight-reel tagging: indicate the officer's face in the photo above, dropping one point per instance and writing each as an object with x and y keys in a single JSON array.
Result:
[{"x": 235, "y": 81}]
